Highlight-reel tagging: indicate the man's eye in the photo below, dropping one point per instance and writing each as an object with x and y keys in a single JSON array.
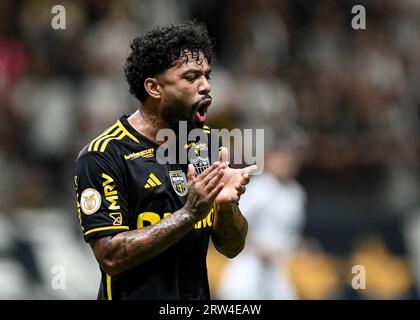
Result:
[
  {"x": 191, "y": 78},
  {"x": 194, "y": 77}
]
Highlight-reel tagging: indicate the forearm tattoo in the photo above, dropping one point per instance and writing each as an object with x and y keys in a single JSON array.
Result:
[{"x": 131, "y": 248}]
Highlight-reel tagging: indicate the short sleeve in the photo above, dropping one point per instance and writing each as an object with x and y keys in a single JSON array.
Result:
[{"x": 101, "y": 195}]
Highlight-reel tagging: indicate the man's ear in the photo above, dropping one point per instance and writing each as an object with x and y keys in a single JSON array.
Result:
[{"x": 153, "y": 87}]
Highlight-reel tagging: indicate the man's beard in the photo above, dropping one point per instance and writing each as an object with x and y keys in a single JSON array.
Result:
[{"x": 175, "y": 112}]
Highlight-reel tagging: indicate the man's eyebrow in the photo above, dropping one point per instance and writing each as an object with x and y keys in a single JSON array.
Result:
[{"x": 197, "y": 70}]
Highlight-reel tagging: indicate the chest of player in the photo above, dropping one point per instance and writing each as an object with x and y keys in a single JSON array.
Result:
[{"x": 155, "y": 191}]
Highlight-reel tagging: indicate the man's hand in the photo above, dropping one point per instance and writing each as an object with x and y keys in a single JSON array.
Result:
[
  {"x": 125, "y": 250},
  {"x": 203, "y": 190},
  {"x": 234, "y": 181}
]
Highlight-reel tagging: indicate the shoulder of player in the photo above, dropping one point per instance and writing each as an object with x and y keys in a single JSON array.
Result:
[
  {"x": 108, "y": 141},
  {"x": 110, "y": 158}
]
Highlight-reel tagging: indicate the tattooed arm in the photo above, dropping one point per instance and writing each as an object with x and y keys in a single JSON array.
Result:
[
  {"x": 128, "y": 249},
  {"x": 229, "y": 230},
  {"x": 230, "y": 226}
]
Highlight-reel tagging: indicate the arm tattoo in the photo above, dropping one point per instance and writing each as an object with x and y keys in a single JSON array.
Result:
[{"x": 128, "y": 249}]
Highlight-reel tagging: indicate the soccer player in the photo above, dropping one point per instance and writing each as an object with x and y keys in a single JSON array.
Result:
[{"x": 148, "y": 223}]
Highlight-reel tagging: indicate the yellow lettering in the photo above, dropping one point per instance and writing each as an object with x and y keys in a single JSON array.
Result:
[
  {"x": 197, "y": 225},
  {"x": 150, "y": 217},
  {"x": 209, "y": 218},
  {"x": 109, "y": 190},
  {"x": 113, "y": 200},
  {"x": 107, "y": 178},
  {"x": 148, "y": 153},
  {"x": 207, "y": 221},
  {"x": 111, "y": 195}
]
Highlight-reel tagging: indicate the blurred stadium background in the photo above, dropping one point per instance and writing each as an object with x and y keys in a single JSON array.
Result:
[{"x": 293, "y": 67}]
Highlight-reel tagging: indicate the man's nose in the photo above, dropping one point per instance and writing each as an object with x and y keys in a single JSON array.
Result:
[{"x": 204, "y": 87}]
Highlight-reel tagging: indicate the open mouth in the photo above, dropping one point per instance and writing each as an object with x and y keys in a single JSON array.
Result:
[{"x": 201, "y": 113}]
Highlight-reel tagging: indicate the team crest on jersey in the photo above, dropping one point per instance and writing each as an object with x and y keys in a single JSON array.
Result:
[
  {"x": 197, "y": 148},
  {"x": 200, "y": 164},
  {"x": 90, "y": 201},
  {"x": 179, "y": 182}
]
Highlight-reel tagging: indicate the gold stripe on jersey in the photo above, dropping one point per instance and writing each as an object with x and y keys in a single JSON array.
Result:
[
  {"x": 107, "y": 228},
  {"x": 108, "y": 286},
  {"x": 101, "y": 135},
  {"x": 122, "y": 135},
  {"x": 105, "y": 138},
  {"x": 128, "y": 134},
  {"x": 100, "y": 143},
  {"x": 96, "y": 142}
]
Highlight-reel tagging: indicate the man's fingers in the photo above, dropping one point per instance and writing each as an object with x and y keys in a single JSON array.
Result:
[
  {"x": 224, "y": 155},
  {"x": 245, "y": 178},
  {"x": 214, "y": 193},
  {"x": 234, "y": 198},
  {"x": 208, "y": 170},
  {"x": 214, "y": 174},
  {"x": 241, "y": 189},
  {"x": 249, "y": 169},
  {"x": 191, "y": 173},
  {"x": 213, "y": 179}
]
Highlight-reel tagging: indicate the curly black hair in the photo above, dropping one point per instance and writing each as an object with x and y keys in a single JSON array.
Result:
[{"x": 158, "y": 50}]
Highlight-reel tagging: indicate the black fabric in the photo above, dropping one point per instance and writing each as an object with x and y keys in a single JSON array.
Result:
[{"x": 179, "y": 272}]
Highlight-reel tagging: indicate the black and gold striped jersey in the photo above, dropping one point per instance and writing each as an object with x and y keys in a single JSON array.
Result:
[{"x": 121, "y": 186}]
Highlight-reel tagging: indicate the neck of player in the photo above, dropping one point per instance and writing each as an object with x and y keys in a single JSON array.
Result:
[{"x": 147, "y": 123}]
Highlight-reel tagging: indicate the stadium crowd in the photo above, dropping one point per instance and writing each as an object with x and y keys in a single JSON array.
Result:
[{"x": 349, "y": 98}]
